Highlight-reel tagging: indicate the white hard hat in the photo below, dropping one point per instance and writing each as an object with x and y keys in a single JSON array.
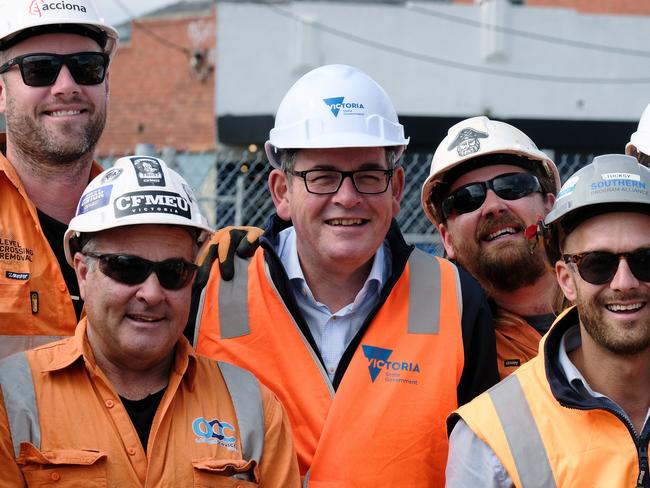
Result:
[
  {"x": 640, "y": 140},
  {"x": 24, "y": 18},
  {"x": 610, "y": 183},
  {"x": 480, "y": 136},
  {"x": 335, "y": 106},
  {"x": 136, "y": 190}
]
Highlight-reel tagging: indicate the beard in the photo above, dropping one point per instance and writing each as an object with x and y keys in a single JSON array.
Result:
[
  {"x": 621, "y": 337},
  {"x": 507, "y": 267},
  {"x": 48, "y": 147}
]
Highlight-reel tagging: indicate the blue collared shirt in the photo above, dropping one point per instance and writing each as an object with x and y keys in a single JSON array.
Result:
[{"x": 332, "y": 330}]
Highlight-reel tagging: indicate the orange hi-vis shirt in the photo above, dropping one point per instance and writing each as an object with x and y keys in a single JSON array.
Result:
[
  {"x": 35, "y": 305},
  {"x": 517, "y": 341},
  {"x": 385, "y": 425},
  {"x": 62, "y": 424}
]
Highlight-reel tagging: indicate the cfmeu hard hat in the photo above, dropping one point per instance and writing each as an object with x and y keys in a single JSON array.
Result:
[
  {"x": 136, "y": 190},
  {"x": 21, "y": 19},
  {"x": 610, "y": 183},
  {"x": 335, "y": 106},
  {"x": 476, "y": 137},
  {"x": 640, "y": 140}
]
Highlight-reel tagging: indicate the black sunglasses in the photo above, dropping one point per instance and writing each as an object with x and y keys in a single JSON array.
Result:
[
  {"x": 173, "y": 274},
  {"x": 510, "y": 186},
  {"x": 599, "y": 267},
  {"x": 42, "y": 69}
]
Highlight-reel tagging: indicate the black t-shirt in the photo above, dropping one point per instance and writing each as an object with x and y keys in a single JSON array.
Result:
[
  {"x": 54, "y": 231},
  {"x": 142, "y": 413}
]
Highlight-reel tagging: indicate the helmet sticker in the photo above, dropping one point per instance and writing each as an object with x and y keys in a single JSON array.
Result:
[
  {"x": 148, "y": 171},
  {"x": 162, "y": 202},
  {"x": 336, "y": 104},
  {"x": 569, "y": 187},
  {"x": 97, "y": 198},
  {"x": 467, "y": 141},
  {"x": 111, "y": 175},
  {"x": 620, "y": 176},
  {"x": 619, "y": 182}
]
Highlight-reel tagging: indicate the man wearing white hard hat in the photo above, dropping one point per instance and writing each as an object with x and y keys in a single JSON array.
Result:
[
  {"x": 368, "y": 342},
  {"x": 127, "y": 402},
  {"x": 488, "y": 184},
  {"x": 54, "y": 58},
  {"x": 577, "y": 414},
  {"x": 639, "y": 145}
]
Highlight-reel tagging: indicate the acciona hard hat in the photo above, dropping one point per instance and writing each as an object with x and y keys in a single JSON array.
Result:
[
  {"x": 21, "y": 19},
  {"x": 136, "y": 190},
  {"x": 335, "y": 106},
  {"x": 480, "y": 136},
  {"x": 610, "y": 183},
  {"x": 640, "y": 140}
]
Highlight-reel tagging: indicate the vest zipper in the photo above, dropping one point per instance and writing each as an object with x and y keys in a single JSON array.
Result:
[{"x": 642, "y": 479}]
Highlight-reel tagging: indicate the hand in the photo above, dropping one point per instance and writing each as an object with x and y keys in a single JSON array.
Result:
[{"x": 231, "y": 240}]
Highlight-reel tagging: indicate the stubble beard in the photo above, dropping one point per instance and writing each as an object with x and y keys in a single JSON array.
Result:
[
  {"x": 45, "y": 148},
  {"x": 625, "y": 338}
]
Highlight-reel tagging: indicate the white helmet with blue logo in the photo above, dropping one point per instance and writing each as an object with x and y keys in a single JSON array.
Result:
[
  {"x": 136, "y": 190},
  {"x": 610, "y": 183},
  {"x": 640, "y": 140},
  {"x": 335, "y": 106}
]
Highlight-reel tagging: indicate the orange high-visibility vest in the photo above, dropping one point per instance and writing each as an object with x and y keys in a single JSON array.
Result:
[
  {"x": 385, "y": 426},
  {"x": 517, "y": 341},
  {"x": 544, "y": 444},
  {"x": 35, "y": 305}
]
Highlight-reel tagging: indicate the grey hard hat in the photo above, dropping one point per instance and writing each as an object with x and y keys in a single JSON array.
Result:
[{"x": 611, "y": 182}]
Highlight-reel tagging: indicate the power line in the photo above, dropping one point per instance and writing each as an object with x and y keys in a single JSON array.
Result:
[
  {"x": 159, "y": 39},
  {"x": 449, "y": 63},
  {"x": 528, "y": 34}
]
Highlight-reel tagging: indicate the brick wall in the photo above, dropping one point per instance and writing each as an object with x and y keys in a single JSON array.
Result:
[
  {"x": 628, "y": 7},
  {"x": 155, "y": 95}
]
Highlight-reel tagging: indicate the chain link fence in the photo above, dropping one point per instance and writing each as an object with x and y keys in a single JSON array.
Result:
[{"x": 232, "y": 188}]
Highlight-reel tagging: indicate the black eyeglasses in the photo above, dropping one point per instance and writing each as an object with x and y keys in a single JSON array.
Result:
[
  {"x": 42, "y": 69},
  {"x": 510, "y": 186},
  {"x": 599, "y": 267},
  {"x": 173, "y": 274},
  {"x": 328, "y": 181}
]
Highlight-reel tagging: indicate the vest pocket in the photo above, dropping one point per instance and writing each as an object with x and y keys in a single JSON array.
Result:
[
  {"x": 225, "y": 473},
  {"x": 62, "y": 468}
]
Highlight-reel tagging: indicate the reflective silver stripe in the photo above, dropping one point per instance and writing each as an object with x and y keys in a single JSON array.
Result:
[
  {"x": 11, "y": 344},
  {"x": 20, "y": 401},
  {"x": 247, "y": 399},
  {"x": 424, "y": 293},
  {"x": 523, "y": 436},
  {"x": 305, "y": 482},
  {"x": 233, "y": 302},
  {"x": 199, "y": 313}
]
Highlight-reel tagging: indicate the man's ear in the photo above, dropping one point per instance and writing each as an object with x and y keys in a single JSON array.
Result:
[
  {"x": 81, "y": 270},
  {"x": 549, "y": 201},
  {"x": 279, "y": 185},
  {"x": 447, "y": 242},
  {"x": 566, "y": 280},
  {"x": 3, "y": 95},
  {"x": 397, "y": 188}
]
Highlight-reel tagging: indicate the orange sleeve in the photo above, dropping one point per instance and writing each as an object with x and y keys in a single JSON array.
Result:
[
  {"x": 10, "y": 474},
  {"x": 279, "y": 464}
]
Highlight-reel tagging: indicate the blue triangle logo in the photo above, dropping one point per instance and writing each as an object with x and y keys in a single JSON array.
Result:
[
  {"x": 374, "y": 355},
  {"x": 334, "y": 104}
]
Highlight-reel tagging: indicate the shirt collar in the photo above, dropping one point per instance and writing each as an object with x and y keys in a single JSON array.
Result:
[
  {"x": 570, "y": 342},
  {"x": 78, "y": 346},
  {"x": 288, "y": 253}
]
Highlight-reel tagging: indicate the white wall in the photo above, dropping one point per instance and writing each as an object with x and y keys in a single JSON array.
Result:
[{"x": 261, "y": 53}]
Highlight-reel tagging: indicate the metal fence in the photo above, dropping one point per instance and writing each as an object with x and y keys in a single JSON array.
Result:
[{"x": 232, "y": 188}]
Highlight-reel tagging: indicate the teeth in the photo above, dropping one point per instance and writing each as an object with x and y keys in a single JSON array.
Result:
[
  {"x": 624, "y": 308},
  {"x": 499, "y": 233},
  {"x": 345, "y": 222},
  {"x": 64, "y": 113},
  {"x": 140, "y": 318}
]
